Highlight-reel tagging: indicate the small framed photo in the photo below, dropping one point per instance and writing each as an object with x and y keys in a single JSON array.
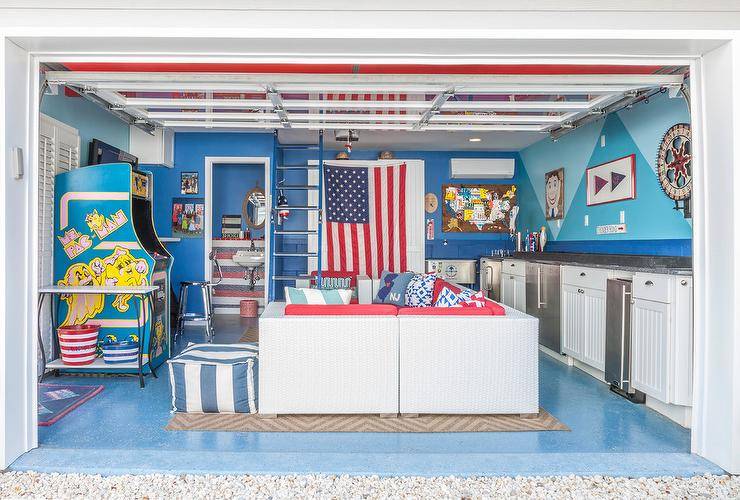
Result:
[{"x": 189, "y": 183}]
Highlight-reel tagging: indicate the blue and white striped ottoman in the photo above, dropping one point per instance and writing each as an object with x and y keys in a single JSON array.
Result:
[{"x": 215, "y": 378}]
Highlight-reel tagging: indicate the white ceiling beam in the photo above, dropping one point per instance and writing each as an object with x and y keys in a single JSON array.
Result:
[
  {"x": 360, "y": 88},
  {"x": 495, "y": 118},
  {"x": 515, "y": 105},
  {"x": 358, "y": 104},
  {"x": 353, "y": 117},
  {"x": 151, "y": 102},
  {"x": 206, "y": 124},
  {"x": 353, "y": 126},
  {"x": 187, "y": 115},
  {"x": 485, "y": 128},
  {"x": 545, "y": 89}
]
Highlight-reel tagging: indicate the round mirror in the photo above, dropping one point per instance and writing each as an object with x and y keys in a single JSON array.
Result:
[{"x": 254, "y": 209}]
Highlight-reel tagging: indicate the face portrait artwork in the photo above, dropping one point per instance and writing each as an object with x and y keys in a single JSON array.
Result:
[{"x": 554, "y": 194}]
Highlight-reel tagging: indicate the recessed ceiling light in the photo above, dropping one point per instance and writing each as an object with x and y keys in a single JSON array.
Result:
[{"x": 475, "y": 139}]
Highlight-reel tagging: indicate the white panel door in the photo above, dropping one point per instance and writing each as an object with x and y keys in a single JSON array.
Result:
[
  {"x": 508, "y": 290},
  {"x": 520, "y": 293},
  {"x": 594, "y": 327},
  {"x": 572, "y": 307},
  {"x": 649, "y": 350}
]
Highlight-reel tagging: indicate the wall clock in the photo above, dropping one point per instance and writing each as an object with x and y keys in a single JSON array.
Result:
[
  {"x": 674, "y": 165},
  {"x": 430, "y": 203}
]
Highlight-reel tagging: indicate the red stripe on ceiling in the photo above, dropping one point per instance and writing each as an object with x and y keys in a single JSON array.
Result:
[{"x": 429, "y": 69}]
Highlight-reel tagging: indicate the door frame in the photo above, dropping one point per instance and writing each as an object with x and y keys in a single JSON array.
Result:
[
  {"x": 209, "y": 163},
  {"x": 706, "y": 439}
]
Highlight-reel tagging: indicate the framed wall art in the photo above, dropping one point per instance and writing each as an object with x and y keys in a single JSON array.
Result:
[
  {"x": 187, "y": 217},
  {"x": 477, "y": 208},
  {"x": 611, "y": 181},
  {"x": 554, "y": 194},
  {"x": 189, "y": 183}
]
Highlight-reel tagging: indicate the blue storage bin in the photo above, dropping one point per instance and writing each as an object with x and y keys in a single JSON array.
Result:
[{"x": 120, "y": 352}]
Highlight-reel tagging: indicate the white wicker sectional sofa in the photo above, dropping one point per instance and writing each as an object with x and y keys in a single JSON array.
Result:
[{"x": 398, "y": 364}]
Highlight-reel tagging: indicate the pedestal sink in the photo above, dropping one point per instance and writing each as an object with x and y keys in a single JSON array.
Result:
[{"x": 251, "y": 260}]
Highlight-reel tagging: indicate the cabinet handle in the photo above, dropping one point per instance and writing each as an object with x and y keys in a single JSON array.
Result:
[
  {"x": 583, "y": 274},
  {"x": 580, "y": 291},
  {"x": 512, "y": 265},
  {"x": 511, "y": 277},
  {"x": 649, "y": 283},
  {"x": 684, "y": 282}
]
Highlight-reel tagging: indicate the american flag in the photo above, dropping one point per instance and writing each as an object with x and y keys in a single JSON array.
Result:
[{"x": 365, "y": 219}]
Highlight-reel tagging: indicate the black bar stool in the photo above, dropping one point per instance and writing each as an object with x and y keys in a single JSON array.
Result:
[{"x": 206, "y": 293}]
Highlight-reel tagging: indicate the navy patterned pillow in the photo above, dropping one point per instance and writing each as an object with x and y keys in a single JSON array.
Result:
[
  {"x": 392, "y": 289},
  {"x": 420, "y": 291}
]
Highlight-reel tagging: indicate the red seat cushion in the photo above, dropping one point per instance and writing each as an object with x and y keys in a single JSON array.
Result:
[
  {"x": 341, "y": 310},
  {"x": 445, "y": 311},
  {"x": 495, "y": 308}
]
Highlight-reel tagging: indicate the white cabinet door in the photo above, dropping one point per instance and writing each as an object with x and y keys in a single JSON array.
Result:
[
  {"x": 649, "y": 348},
  {"x": 520, "y": 293},
  {"x": 594, "y": 327},
  {"x": 572, "y": 307},
  {"x": 508, "y": 290},
  {"x": 682, "y": 349}
]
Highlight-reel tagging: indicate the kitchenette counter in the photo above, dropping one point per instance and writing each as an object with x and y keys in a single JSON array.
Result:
[{"x": 632, "y": 263}]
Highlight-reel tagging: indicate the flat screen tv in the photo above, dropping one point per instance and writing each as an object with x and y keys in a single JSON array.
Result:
[{"x": 100, "y": 152}]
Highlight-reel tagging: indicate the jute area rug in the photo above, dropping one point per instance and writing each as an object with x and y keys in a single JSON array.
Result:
[
  {"x": 363, "y": 423},
  {"x": 251, "y": 334}
]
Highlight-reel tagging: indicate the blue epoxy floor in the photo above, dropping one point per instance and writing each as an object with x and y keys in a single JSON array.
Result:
[{"x": 122, "y": 430}]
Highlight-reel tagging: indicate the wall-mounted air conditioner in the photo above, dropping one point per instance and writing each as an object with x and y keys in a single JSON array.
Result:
[{"x": 482, "y": 168}]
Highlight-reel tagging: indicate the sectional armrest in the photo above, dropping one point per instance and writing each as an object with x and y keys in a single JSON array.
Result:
[{"x": 365, "y": 292}]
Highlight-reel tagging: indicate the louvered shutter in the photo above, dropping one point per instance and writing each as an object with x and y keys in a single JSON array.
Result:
[{"x": 59, "y": 151}]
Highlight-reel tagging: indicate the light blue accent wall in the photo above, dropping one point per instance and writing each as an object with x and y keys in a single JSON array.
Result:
[
  {"x": 650, "y": 216},
  {"x": 231, "y": 182},
  {"x": 92, "y": 121}
]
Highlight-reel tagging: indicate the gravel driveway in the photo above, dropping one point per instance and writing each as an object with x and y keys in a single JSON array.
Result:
[{"x": 60, "y": 486}]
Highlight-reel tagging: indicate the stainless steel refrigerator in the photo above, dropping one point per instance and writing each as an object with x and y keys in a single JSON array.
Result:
[
  {"x": 490, "y": 278},
  {"x": 543, "y": 301}
]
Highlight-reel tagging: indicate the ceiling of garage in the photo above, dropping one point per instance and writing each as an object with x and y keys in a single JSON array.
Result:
[{"x": 429, "y": 107}]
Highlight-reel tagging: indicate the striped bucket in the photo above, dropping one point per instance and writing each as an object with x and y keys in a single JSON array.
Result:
[
  {"x": 78, "y": 344},
  {"x": 120, "y": 352}
]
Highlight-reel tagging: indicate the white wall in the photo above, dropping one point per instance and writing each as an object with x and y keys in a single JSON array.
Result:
[
  {"x": 15, "y": 338},
  {"x": 717, "y": 260}
]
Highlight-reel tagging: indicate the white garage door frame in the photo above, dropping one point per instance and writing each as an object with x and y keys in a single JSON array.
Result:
[{"x": 716, "y": 118}]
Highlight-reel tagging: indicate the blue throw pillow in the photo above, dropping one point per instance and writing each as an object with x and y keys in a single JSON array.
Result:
[
  {"x": 420, "y": 291},
  {"x": 392, "y": 288}
]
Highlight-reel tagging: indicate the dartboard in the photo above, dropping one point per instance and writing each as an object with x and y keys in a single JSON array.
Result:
[{"x": 674, "y": 162}]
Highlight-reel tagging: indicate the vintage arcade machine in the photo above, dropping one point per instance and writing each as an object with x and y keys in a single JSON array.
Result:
[{"x": 105, "y": 237}]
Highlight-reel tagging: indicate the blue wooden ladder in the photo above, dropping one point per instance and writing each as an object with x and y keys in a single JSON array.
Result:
[{"x": 279, "y": 236}]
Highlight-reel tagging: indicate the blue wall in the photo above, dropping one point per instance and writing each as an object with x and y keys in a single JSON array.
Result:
[
  {"x": 653, "y": 226},
  {"x": 92, "y": 121},
  {"x": 231, "y": 182},
  {"x": 191, "y": 148},
  {"x": 437, "y": 173}
]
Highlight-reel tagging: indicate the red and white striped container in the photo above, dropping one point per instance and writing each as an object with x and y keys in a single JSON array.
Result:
[{"x": 78, "y": 344}]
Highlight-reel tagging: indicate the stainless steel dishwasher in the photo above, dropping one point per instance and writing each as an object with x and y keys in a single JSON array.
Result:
[{"x": 543, "y": 301}]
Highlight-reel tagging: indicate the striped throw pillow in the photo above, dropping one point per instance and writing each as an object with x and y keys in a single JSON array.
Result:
[
  {"x": 317, "y": 296},
  {"x": 215, "y": 378}
]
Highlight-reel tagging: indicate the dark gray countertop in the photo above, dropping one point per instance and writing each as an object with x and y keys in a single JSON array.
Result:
[{"x": 633, "y": 263}]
